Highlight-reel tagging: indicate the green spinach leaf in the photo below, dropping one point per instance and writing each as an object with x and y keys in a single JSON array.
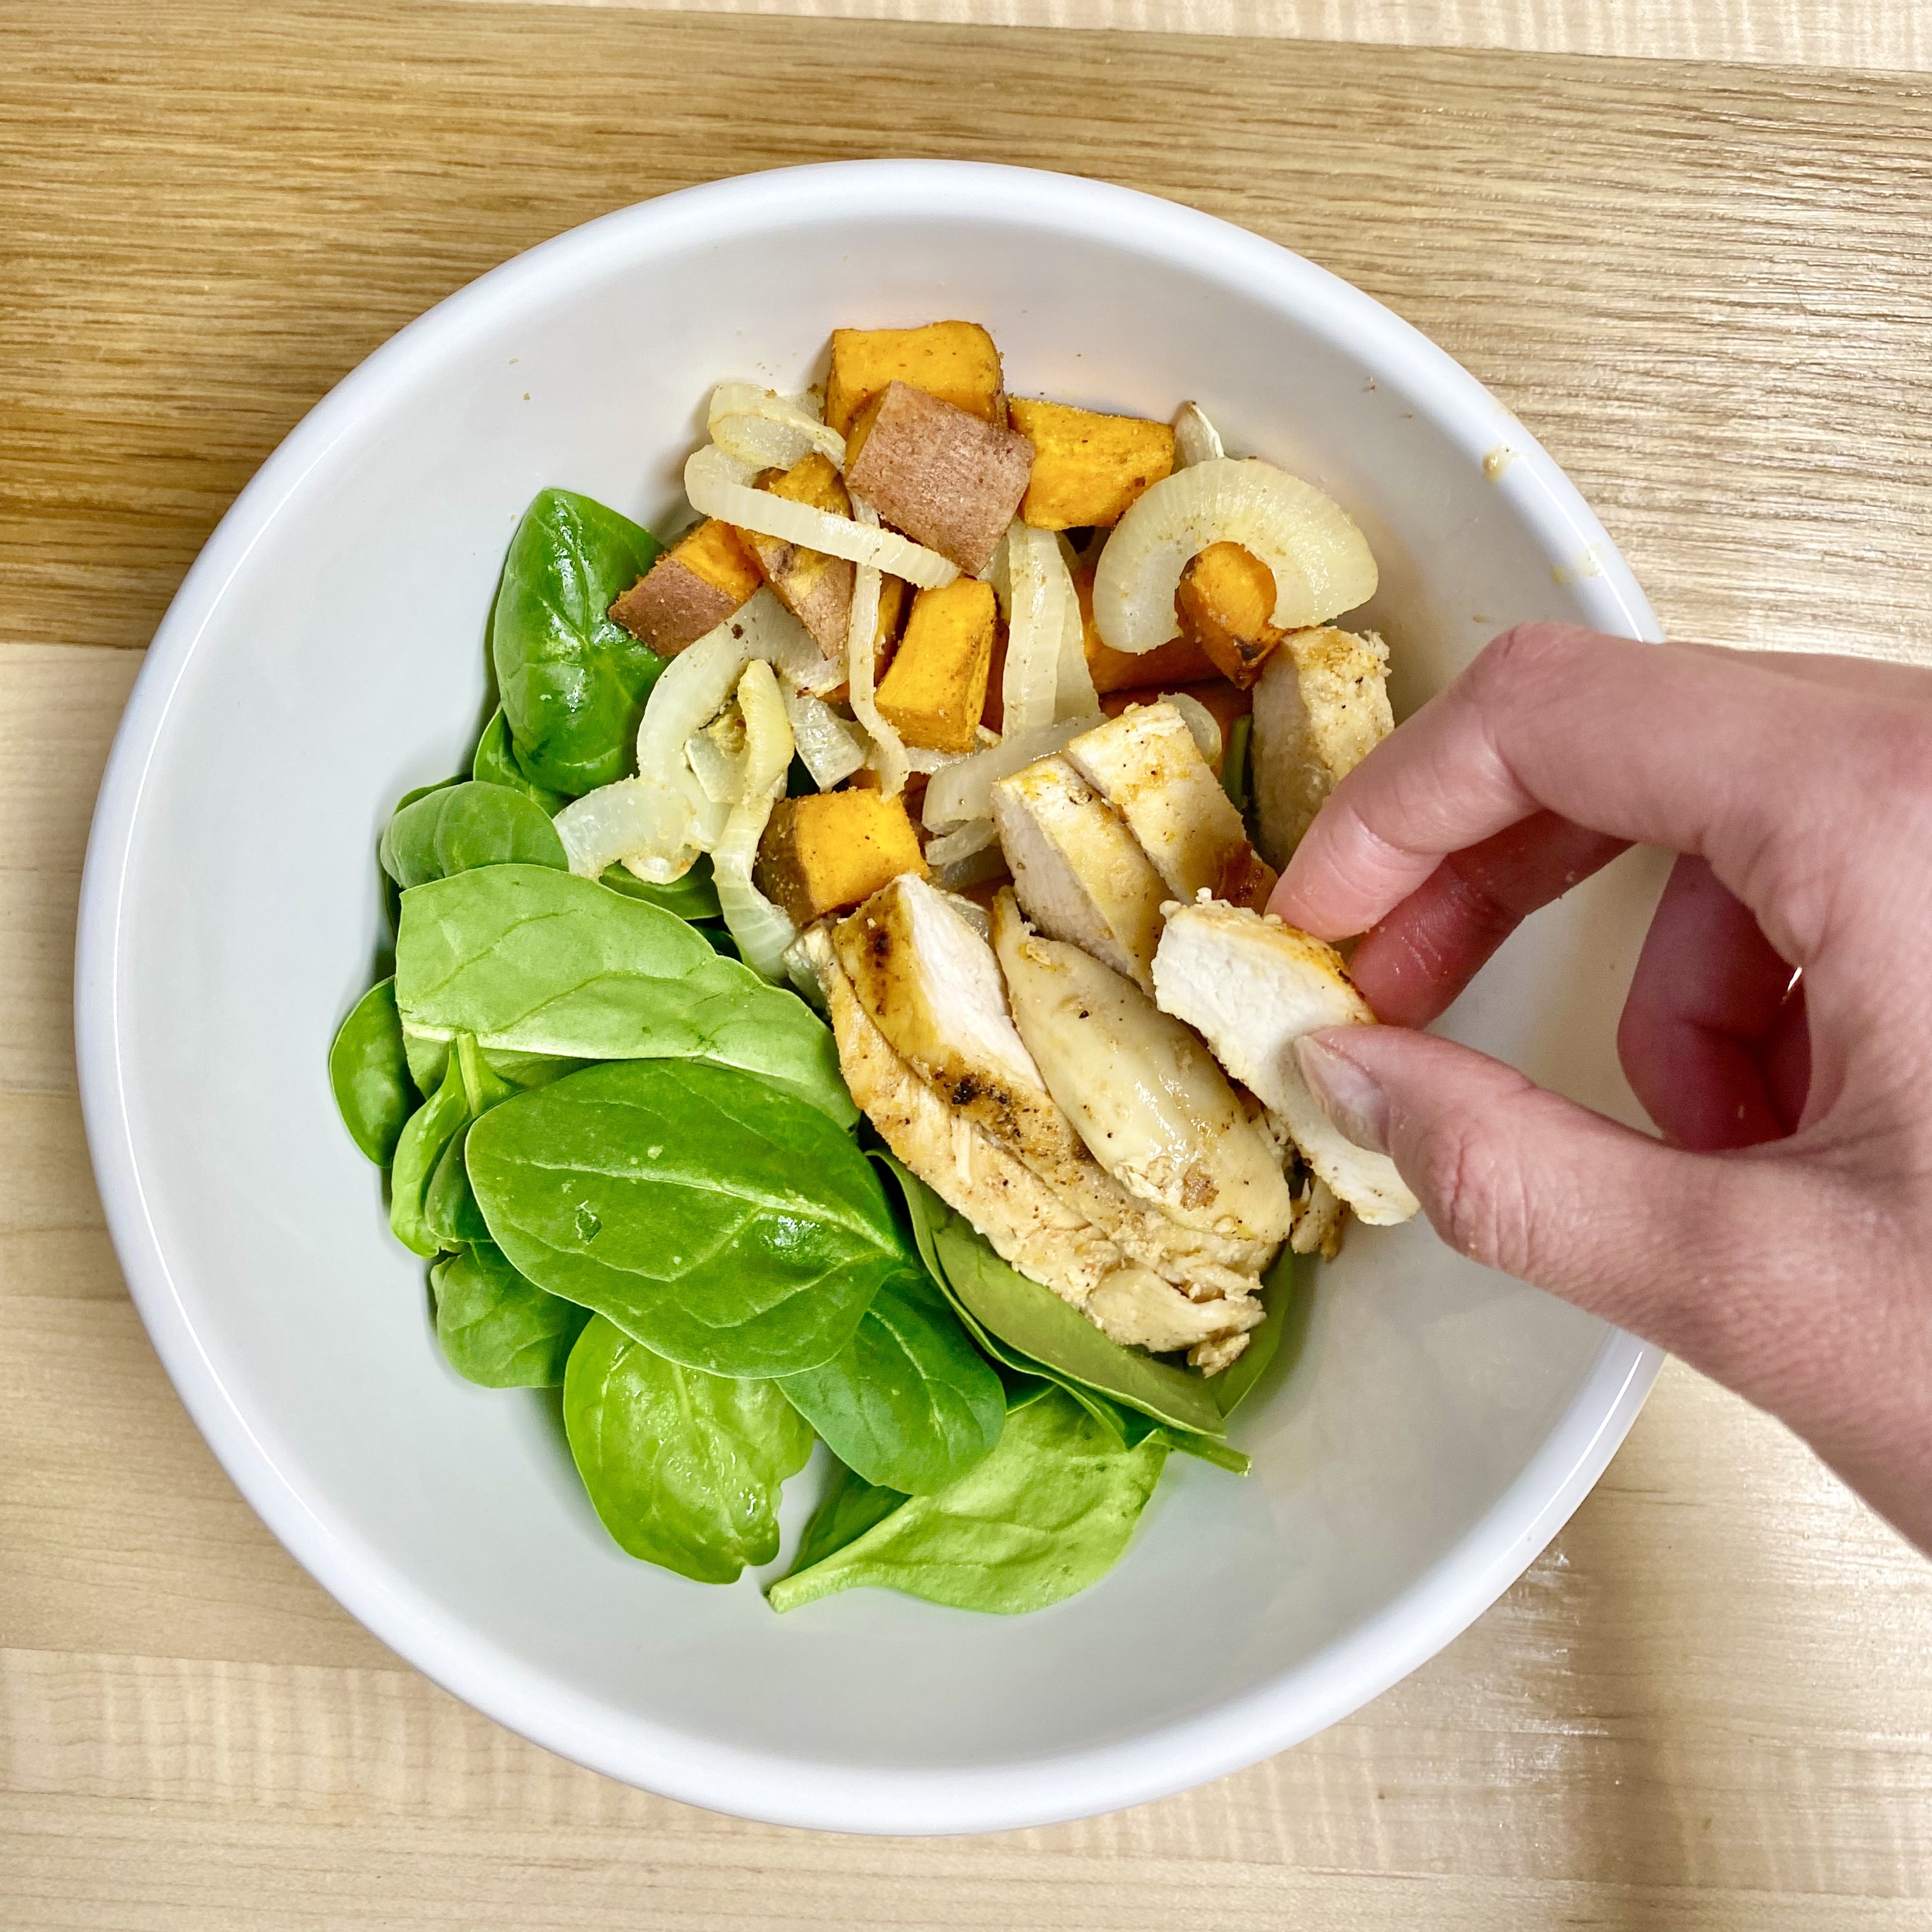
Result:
[
  {"x": 1288, "y": 1291},
  {"x": 1048, "y": 1513},
  {"x": 849, "y": 1508},
  {"x": 369, "y": 1073},
  {"x": 544, "y": 962},
  {"x": 683, "y": 1467},
  {"x": 496, "y": 763},
  {"x": 450, "y": 1212},
  {"x": 457, "y": 827},
  {"x": 908, "y": 1403},
  {"x": 1125, "y": 1402},
  {"x": 498, "y": 1329},
  {"x": 572, "y": 683},
  {"x": 428, "y": 1057},
  {"x": 694, "y": 897},
  {"x": 425, "y": 1135},
  {"x": 1041, "y": 1332},
  {"x": 721, "y": 1220}
]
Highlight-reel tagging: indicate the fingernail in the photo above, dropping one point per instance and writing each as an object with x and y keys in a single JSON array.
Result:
[{"x": 1349, "y": 1096}]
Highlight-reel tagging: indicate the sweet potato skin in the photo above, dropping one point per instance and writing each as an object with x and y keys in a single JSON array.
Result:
[
  {"x": 817, "y": 589},
  {"x": 1087, "y": 468},
  {"x": 949, "y": 480},
  {"x": 689, "y": 591},
  {"x": 954, "y": 361},
  {"x": 936, "y": 690},
  {"x": 1225, "y": 602},
  {"x": 828, "y": 851}
]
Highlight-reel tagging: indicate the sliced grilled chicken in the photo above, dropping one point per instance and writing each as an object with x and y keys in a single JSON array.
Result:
[
  {"x": 1251, "y": 987},
  {"x": 1080, "y": 873},
  {"x": 1147, "y": 766},
  {"x": 1321, "y": 707},
  {"x": 1142, "y": 1090},
  {"x": 1030, "y": 1225},
  {"x": 1318, "y": 1220},
  {"x": 928, "y": 979},
  {"x": 1133, "y": 1306},
  {"x": 929, "y": 982}
]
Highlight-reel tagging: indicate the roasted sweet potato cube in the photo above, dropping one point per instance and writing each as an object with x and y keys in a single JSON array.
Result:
[
  {"x": 936, "y": 690},
  {"x": 816, "y": 589},
  {"x": 1087, "y": 468},
  {"x": 1169, "y": 666},
  {"x": 1225, "y": 602},
  {"x": 947, "y": 479},
  {"x": 690, "y": 590},
  {"x": 825, "y": 852},
  {"x": 954, "y": 361}
]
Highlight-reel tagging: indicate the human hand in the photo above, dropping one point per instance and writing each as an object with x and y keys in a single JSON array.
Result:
[{"x": 1779, "y": 1237}]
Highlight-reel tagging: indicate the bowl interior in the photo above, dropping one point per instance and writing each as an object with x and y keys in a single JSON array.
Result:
[{"x": 329, "y": 654}]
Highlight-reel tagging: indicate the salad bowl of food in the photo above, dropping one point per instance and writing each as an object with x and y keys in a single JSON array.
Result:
[{"x": 678, "y": 1034}]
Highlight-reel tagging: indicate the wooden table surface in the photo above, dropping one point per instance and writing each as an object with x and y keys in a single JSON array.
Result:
[{"x": 1709, "y": 1704}]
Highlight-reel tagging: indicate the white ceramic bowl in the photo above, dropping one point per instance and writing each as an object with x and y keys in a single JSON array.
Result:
[{"x": 326, "y": 652}]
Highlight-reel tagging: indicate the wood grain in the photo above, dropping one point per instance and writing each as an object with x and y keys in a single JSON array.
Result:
[
  {"x": 1699, "y": 286},
  {"x": 1705, "y": 1706},
  {"x": 1880, "y": 36}
]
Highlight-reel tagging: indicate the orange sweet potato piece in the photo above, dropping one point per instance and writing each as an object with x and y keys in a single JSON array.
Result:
[
  {"x": 954, "y": 361},
  {"x": 1171, "y": 666},
  {"x": 1087, "y": 468},
  {"x": 827, "y": 851},
  {"x": 816, "y": 589},
  {"x": 1225, "y": 602},
  {"x": 936, "y": 690},
  {"x": 690, "y": 590}
]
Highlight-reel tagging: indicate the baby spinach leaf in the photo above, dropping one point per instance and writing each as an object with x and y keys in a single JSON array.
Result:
[
  {"x": 427, "y": 1132},
  {"x": 908, "y": 1403},
  {"x": 572, "y": 683},
  {"x": 544, "y": 962},
  {"x": 849, "y": 1508},
  {"x": 456, "y": 827},
  {"x": 427, "y": 1058},
  {"x": 498, "y": 1329},
  {"x": 683, "y": 1467},
  {"x": 694, "y": 897},
  {"x": 721, "y": 1220},
  {"x": 496, "y": 763},
  {"x": 369, "y": 1073},
  {"x": 450, "y": 1212},
  {"x": 1046, "y": 1514},
  {"x": 1287, "y": 1293},
  {"x": 1039, "y": 1330},
  {"x": 1035, "y": 1321},
  {"x": 1128, "y": 1420}
]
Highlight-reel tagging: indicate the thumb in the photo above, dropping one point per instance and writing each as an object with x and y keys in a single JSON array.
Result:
[{"x": 1668, "y": 1244}]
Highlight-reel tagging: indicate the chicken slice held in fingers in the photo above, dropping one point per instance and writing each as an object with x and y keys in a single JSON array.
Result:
[
  {"x": 1080, "y": 873},
  {"x": 1146, "y": 764},
  {"x": 1251, "y": 987},
  {"x": 1141, "y": 1089}
]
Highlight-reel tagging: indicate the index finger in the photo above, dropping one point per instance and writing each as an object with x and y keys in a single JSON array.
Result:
[{"x": 1651, "y": 743}]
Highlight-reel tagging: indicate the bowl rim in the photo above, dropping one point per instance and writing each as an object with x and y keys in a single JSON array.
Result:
[{"x": 770, "y": 1787}]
